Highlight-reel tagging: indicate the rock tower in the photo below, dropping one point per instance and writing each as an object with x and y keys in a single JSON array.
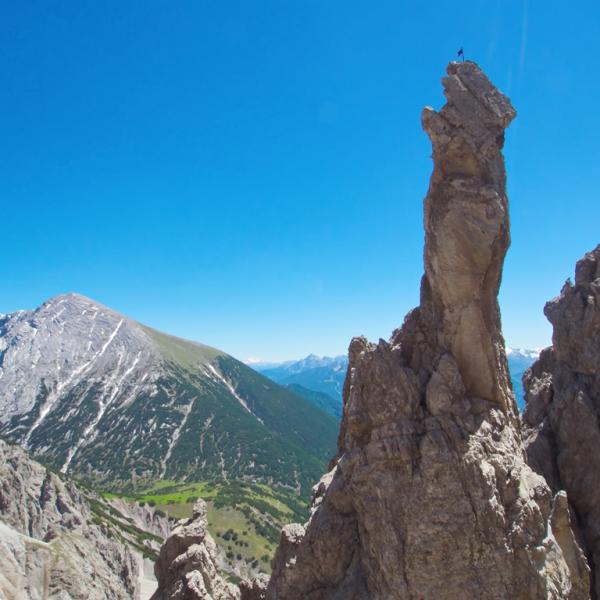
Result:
[{"x": 430, "y": 496}]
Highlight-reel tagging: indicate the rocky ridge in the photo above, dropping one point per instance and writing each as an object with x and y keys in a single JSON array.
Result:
[
  {"x": 430, "y": 495},
  {"x": 562, "y": 393},
  {"x": 49, "y": 544}
]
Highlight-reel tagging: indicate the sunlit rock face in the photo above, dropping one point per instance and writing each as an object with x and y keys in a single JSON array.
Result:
[
  {"x": 429, "y": 495},
  {"x": 562, "y": 392}
]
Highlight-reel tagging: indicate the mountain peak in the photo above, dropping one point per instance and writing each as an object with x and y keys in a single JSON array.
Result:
[
  {"x": 522, "y": 352},
  {"x": 92, "y": 391},
  {"x": 74, "y": 296},
  {"x": 74, "y": 299}
]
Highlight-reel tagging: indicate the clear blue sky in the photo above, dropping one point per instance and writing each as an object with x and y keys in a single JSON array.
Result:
[{"x": 251, "y": 174}]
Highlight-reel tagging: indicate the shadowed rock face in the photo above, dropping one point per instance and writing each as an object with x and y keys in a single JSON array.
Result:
[
  {"x": 562, "y": 392},
  {"x": 429, "y": 495}
]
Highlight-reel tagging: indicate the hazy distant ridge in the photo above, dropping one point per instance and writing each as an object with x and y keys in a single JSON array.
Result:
[{"x": 326, "y": 375}]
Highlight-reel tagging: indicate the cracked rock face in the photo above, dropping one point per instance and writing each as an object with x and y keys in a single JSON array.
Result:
[
  {"x": 430, "y": 496},
  {"x": 49, "y": 546},
  {"x": 186, "y": 567},
  {"x": 562, "y": 392}
]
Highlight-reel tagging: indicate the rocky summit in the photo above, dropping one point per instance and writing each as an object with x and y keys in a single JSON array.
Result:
[
  {"x": 562, "y": 415},
  {"x": 430, "y": 495},
  {"x": 94, "y": 393}
]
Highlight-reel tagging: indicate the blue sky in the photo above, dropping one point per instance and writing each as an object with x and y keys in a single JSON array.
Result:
[{"x": 251, "y": 175}]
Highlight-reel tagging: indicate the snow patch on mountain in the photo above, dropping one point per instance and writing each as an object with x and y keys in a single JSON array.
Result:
[{"x": 523, "y": 353}]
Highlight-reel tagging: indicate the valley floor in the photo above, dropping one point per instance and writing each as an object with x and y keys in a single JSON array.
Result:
[{"x": 245, "y": 519}]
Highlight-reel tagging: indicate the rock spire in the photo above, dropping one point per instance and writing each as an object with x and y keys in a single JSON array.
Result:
[{"x": 429, "y": 495}]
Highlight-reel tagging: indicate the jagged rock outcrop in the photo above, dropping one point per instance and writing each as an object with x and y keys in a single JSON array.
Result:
[
  {"x": 430, "y": 496},
  {"x": 49, "y": 546},
  {"x": 186, "y": 567},
  {"x": 562, "y": 392}
]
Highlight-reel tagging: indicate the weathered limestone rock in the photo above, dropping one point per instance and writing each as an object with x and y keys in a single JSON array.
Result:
[
  {"x": 49, "y": 546},
  {"x": 562, "y": 392},
  {"x": 430, "y": 496},
  {"x": 186, "y": 568}
]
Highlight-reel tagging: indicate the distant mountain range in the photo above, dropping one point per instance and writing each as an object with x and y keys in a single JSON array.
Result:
[
  {"x": 321, "y": 379},
  {"x": 313, "y": 374},
  {"x": 519, "y": 360},
  {"x": 94, "y": 393}
]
